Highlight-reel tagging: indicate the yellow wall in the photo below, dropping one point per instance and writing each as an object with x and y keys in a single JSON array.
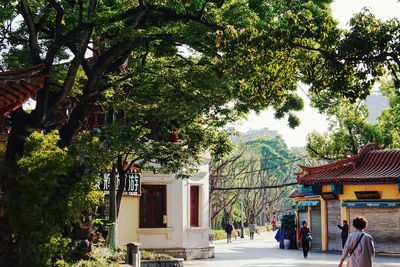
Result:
[
  {"x": 128, "y": 220},
  {"x": 386, "y": 191}
]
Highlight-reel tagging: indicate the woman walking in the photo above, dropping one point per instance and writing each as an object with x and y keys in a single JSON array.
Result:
[
  {"x": 359, "y": 246},
  {"x": 305, "y": 235},
  {"x": 252, "y": 229}
]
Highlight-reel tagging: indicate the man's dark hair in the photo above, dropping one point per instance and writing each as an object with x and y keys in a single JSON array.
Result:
[
  {"x": 303, "y": 223},
  {"x": 344, "y": 221},
  {"x": 360, "y": 222}
]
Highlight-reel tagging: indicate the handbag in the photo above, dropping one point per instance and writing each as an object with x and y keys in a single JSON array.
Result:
[{"x": 309, "y": 238}]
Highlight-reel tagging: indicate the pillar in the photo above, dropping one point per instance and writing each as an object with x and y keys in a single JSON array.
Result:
[{"x": 133, "y": 254}]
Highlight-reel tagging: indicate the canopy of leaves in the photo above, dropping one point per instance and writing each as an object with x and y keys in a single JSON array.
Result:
[
  {"x": 389, "y": 120},
  {"x": 177, "y": 71},
  {"x": 348, "y": 131},
  {"x": 356, "y": 60}
]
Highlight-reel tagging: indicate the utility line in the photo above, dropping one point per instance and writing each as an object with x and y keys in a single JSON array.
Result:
[
  {"x": 273, "y": 167},
  {"x": 252, "y": 187}
]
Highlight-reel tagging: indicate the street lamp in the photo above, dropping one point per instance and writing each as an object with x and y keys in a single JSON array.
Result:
[{"x": 241, "y": 219}]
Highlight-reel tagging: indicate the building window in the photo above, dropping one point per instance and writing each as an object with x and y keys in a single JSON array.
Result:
[
  {"x": 194, "y": 206},
  {"x": 153, "y": 203}
]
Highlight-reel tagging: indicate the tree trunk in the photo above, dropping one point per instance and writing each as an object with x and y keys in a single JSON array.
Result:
[
  {"x": 122, "y": 182},
  {"x": 7, "y": 256},
  {"x": 113, "y": 211},
  {"x": 15, "y": 144}
]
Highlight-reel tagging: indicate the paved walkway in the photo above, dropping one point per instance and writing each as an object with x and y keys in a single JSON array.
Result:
[{"x": 264, "y": 251}]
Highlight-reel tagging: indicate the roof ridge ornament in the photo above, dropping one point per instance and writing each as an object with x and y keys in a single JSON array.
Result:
[{"x": 364, "y": 151}]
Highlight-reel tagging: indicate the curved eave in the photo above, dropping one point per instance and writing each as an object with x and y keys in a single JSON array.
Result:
[
  {"x": 349, "y": 180},
  {"x": 16, "y": 87},
  {"x": 336, "y": 164}
]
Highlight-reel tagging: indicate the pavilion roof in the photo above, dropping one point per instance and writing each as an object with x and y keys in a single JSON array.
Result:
[
  {"x": 16, "y": 87},
  {"x": 369, "y": 165}
]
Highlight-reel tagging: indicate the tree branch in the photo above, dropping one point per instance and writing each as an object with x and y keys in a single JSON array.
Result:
[
  {"x": 71, "y": 75},
  {"x": 33, "y": 38}
]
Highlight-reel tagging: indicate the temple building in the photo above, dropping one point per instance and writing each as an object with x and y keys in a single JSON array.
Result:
[
  {"x": 17, "y": 87},
  {"x": 166, "y": 214},
  {"x": 366, "y": 184}
]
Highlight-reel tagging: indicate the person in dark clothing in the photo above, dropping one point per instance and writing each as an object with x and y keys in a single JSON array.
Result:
[
  {"x": 228, "y": 230},
  {"x": 305, "y": 243},
  {"x": 345, "y": 232}
]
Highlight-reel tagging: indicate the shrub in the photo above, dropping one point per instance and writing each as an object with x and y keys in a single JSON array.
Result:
[
  {"x": 149, "y": 255},
  {"x": 45, "y": 197},
  {"x": 218, "y": 234},
  {"x": 101, "y": 257}
]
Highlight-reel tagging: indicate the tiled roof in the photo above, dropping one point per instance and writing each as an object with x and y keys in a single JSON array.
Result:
[
  {"x": 296, "y": 193},
  {"x": 16, "y": 87},
  {"x": 368, "y": 166}
]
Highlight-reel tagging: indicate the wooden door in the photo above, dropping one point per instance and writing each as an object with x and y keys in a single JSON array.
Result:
[
  {"x": 333, "y": 214},
  {"x": 153, "y": 206},
  {"x": 383, "y": 226},
  {"x": 316, "y": 243},
  {"x": 194, "y": 206}
]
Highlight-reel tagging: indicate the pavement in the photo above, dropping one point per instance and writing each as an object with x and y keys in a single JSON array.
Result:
[{"x": 263, "y": 250}]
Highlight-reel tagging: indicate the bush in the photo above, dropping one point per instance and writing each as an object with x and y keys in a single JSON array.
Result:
[
  {"x": 45, "y": 197},
  {"x": 218, "y": 234},
  {"x": 149, "y": 255},
  {"x": 101, "y": 257},
  {"x": 265, "y": 228}
]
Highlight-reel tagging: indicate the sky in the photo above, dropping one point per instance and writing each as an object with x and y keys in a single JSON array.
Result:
[{"x": 311, "y": 120}]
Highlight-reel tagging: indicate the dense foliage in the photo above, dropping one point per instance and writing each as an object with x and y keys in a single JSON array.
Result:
[
  {"x": 358, "y": 59},
  {"x": 389, "y": 120},
  {"x": 47, "y": 200},
  {"x": 348, "y": 131},
  {"x": 168, "y": 75}
]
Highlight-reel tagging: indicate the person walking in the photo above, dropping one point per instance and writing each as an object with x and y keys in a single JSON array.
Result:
[
  {"x": 345, "y": 232},
  {"x": 359, "y": 246},
  {"x": 305, "y": 237},
  {"x": 273, "y": 223},
  {"x": 252, "y": 229},
  {"x": 228, "y": 230}
]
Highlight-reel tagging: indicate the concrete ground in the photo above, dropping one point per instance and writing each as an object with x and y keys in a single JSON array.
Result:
[{"x": 264, "y": 251}]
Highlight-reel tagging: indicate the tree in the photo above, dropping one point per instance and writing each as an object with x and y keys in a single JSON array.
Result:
[
  {"x": 348, "y": 131},
  {"x": 47, "y": 200},
  {"x": 272, "y": 163},
  {"x": 241, "y": 57},
  {"x": 260, "y": 163},
  {"x": 389, "y": 120},
  {"x": 358, "y": 58}
]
